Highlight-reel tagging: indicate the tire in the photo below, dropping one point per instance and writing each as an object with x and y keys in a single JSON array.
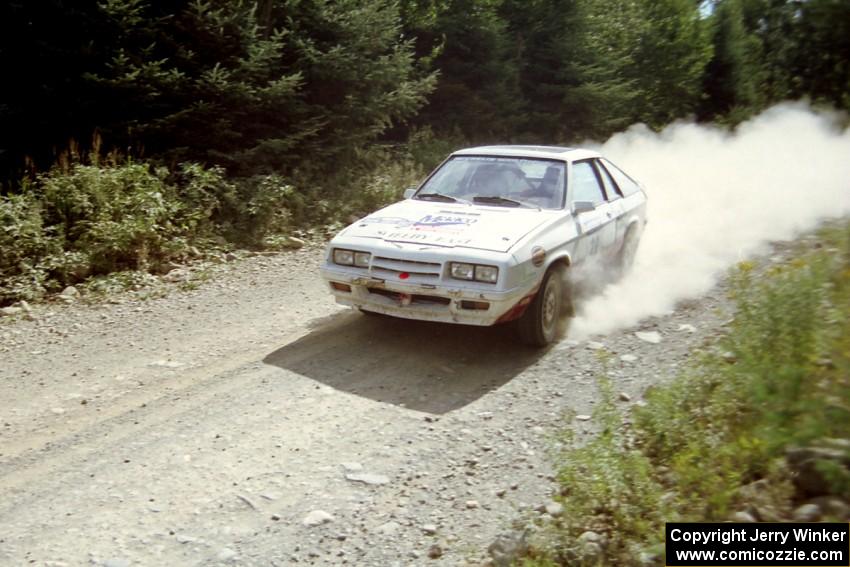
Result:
[
  {"x": 542, "y": 322},
  {"x": 371, "y": 313},
  {"x": 626, "y": 255}
]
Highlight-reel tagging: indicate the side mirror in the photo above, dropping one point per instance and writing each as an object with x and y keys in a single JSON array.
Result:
[
  {"x": 579, "y": 207},
  {"x": 408, "y": 193}
]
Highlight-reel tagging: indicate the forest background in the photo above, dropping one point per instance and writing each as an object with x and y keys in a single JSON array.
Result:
[{"x": 135, "y": 134}]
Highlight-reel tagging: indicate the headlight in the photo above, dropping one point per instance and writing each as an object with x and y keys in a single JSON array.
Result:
[
  {"x": 361, "y": 259},
  {"x": 469, "y": 272},
  {"x": 462, "y": 271},
  {"x": 488, "y": 274},
  {"x": 343, "y": 257}
]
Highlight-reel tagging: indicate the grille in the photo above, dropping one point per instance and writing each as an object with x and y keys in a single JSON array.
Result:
[{"x": 391, "y": 266}]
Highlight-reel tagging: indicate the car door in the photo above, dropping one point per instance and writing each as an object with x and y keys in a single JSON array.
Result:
[
  {"x": 616, "y": 208},
  {"x": 633, "y": 202},
  {"x": 597, "y": 227}
]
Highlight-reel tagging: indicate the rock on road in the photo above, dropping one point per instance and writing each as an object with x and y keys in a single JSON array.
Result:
[{"x": 251, "y": 421}]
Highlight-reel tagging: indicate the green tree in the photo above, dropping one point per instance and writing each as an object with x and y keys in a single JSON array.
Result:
[
  {"x": 325, "y": 78},
  {"x": 601, "y": 88},
  {"x": 255, "y": 87},
  {"x": 538, "y": 29},
  {"x": 671, "y": 56},
  {"x": 774, "y": 24},
  {"x": 823, "y": 56},
  {"x": 591, "y": 68},
  {"x": 202, "y": 83},
  {"x": 477, "y": 93},
  {"x": 733, "y": 77}
]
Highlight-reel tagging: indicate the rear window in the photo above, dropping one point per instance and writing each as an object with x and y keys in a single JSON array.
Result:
[{"x": 627, "y": 185}]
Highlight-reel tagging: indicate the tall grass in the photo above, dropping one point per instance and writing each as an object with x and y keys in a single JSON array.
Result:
[{"x": 780, "y": 378}]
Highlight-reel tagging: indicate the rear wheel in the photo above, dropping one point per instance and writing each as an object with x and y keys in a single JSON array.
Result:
[{"x": 543, "y": 321}]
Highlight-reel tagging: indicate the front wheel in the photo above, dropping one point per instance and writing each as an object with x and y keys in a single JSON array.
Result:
[
  {"x": 542, "y": 322},
  {"x": 626, "y": 255},
  {"x": 370, "y": 313}
]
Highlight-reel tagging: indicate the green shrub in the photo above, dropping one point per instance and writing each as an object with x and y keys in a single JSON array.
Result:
[
  {"x": 83, "y": 220},
  {"x": 266, "y": 205},
  {"x": 781, "y": 379},
  {"x": 121, "y": 216},
  {"x": 210, "y": 196},
  {"x": 384, "y": 185},
  {"x": 25, "y": 244},
  {"x": 427, "y": 151},
  {"x": 107, "y": 284}
]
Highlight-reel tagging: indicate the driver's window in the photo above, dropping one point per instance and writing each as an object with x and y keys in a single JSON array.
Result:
[
  {"x": 585, "y": 186},
  {"x": 449, "y": 178},
  {"x": 489, "y": 179}
]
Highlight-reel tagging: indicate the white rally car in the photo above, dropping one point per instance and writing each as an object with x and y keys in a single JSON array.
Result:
[{"x": 490, "y": 237}]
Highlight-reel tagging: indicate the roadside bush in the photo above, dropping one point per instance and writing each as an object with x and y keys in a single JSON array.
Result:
[
  {"x": 120, "y": 217},
  {"x": 78, "y": 221},
  {"x": 267, "y": 205},
  {"x": 91, "y": 215},
  {"x": 384, "y": 172},
  {"x": 24, "y": 247},
  {"x": 212, "y": 198},
  {"x": 427, "y": 150},
  {"x": 245, "y": 211},
  {"x": 778, "y": 379},
  {"x": 382, "y": 186}
]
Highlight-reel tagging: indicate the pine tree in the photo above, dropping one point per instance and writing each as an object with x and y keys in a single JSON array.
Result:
[
  {"x": 823, "y": 54},
  {"x": 600, "y": 89},
  {"x": 477, "y": 93},
  {"x": 671, "y": 57},
  {"x": 256, "y": 87},
  {"x": 733, "y": 76}
]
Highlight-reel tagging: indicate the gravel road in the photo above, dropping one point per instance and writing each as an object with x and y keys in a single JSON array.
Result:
[{"x": 251, "y": 421}]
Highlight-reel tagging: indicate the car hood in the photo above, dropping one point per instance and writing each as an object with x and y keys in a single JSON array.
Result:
[{"x": 450, "y": 225}]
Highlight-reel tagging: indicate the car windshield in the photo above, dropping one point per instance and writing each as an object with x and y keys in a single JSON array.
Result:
[{"x": 498, "y": 181}]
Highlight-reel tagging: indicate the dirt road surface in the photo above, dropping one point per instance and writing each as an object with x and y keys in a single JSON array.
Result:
[{"x": 251, "y": 421}]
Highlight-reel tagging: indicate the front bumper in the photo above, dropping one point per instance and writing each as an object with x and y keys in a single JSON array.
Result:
[{"x": 441, "y": 303}]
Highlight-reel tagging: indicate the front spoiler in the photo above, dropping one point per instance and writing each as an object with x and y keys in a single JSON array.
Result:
[{"x": 444, "y": 304}]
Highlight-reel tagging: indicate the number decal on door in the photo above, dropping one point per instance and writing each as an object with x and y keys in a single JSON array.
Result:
[{"x": 594, "y": 244}]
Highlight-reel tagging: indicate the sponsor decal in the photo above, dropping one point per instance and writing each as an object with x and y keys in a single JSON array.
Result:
[
  {"x": 398, "y": 222},
  {"x": 425, "y": 238},
  {"x": 443, "y": 223},
  {"x": 445, "y": 220}
]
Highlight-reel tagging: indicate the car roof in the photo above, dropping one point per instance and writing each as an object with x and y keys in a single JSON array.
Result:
[{"x": 547, "y": 152}]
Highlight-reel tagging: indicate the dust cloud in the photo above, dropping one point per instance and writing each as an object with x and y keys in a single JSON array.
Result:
[{"x": 717, "y": 197}]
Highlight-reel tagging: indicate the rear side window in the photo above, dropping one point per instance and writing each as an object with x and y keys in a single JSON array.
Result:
[
  {"x": 585, "y": 184},
  {"x": 611, "y": 190},
  {"x": 626, "y": 184}
]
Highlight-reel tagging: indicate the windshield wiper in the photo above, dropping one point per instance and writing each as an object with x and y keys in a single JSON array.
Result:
[
  {"x": 496, "y": 200},
  {"x": 441, "y": 197},
  {"x": 436, "y": 197}
]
